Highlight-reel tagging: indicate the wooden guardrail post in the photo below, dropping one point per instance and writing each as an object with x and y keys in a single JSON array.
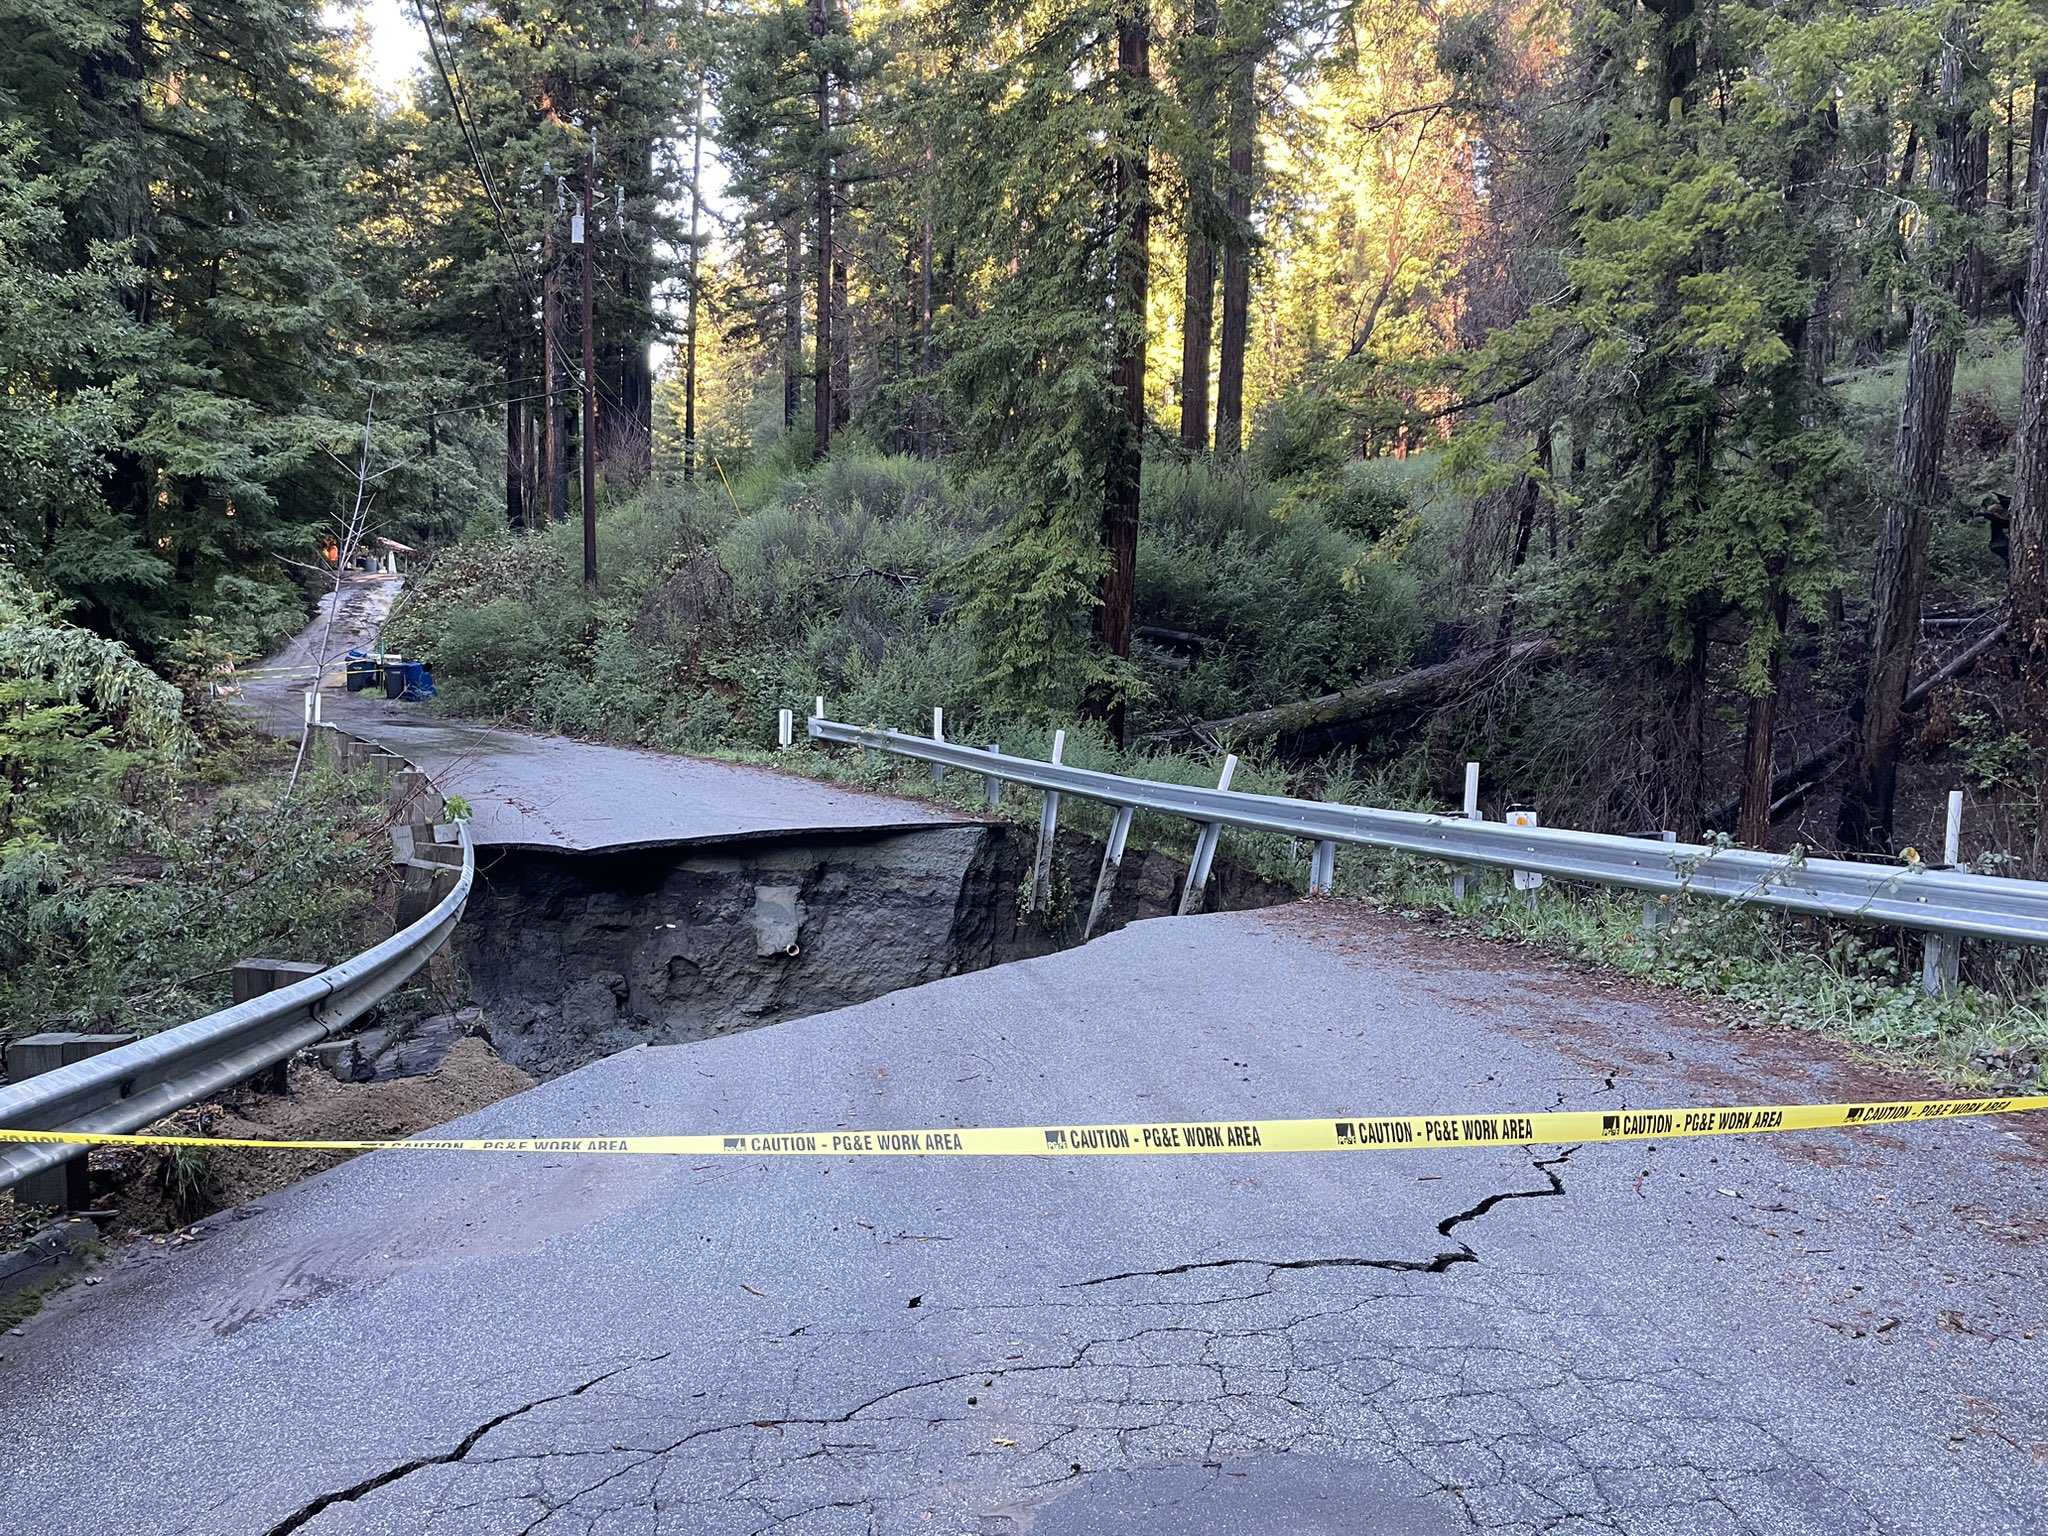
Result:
[{"x": 64, "y": 1186}]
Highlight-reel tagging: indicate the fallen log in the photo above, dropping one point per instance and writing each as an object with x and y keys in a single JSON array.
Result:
[
  {"x": 1349, "y": 710},
  {"x": 1790, "y": 786}
]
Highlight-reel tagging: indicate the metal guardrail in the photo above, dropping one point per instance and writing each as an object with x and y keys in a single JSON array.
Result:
[
  {"x": 1947, "y": 902},
  {"x": 135, "y": 1085}
]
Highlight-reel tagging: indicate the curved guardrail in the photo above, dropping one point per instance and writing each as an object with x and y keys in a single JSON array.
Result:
[
  {"x": 135, "y": 1085},
  {"x": 1935, "y": 900}
]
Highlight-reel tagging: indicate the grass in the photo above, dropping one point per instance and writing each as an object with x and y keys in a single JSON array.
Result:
[
  {"x": 1989, "y": 363},
  {"x": 17, "y": 1307},
  {"x": 1836, "y": 979}
]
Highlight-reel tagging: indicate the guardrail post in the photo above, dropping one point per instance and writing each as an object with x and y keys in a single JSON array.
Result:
[
  {"x": 64, "y": 1186},
  {"x": 1322, "y": 869},
  {"x": 1112, "y": 863},
  {"x": 1527, "y": 881},
  {"x": 253, "y": 978},
  {"x": 992, "y": 785},
  {"x": 1941, "y": 954},
  {"x": 415, "y": 800},
  {"x": 1458, "y": 878},
  {"x": 1048, "y": 829},
  {"x": 1205, "y": 849},
  {"x": 785, "y": 728},
  {"x": 938, "y": 734},
  {"x": 1659, "y": 910}
]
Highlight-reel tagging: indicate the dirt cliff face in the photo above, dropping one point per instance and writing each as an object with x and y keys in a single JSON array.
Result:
[{"x": 575, "y": 956}]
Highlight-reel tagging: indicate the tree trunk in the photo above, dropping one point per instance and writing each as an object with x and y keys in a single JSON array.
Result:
[
  {"x": 1901, "y": 576},
  {"x": 1198, "y": 321},
  {"x": 690, "y": 319},
  {"x": 1753, "y": 826},
  {"x": 792, "y": 320},
  {"x": 1678, "y": 56},
  {"x": 924, "y": 343},
  {"x": 825, "y": 254},
  {"x": 1345, "y": 715},
  {"x": 587, "y": 437},
  {"x": 1973, "y": 178},
  {"x": 1527, "y": 495},
  {"x": 1131, "y": 203},
  {"x": 2029, "y": 530},
  {"x": 2037, "y": 135},
  {"x": 1198, "y": 306},
  {"x": 1789, "y": 786},
  {"x": 535, "y": 499},
  {"x": 842, "y": 343},
  {"x": 1241, "y": 128}
]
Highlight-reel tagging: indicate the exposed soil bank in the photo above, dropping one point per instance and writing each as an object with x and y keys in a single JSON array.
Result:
[{"x": 576, "y": 956}]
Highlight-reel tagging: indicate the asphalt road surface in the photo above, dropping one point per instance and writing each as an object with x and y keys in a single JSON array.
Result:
[
  {"x": 1826, "y": 1333},
  {"x": 528, "y": 790}
]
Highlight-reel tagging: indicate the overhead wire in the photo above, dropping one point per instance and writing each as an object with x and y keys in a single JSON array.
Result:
[{"x": 465, "y": 121}]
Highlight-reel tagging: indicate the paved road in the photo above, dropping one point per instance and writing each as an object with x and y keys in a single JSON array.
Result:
[
  {"x": 534, "y": 791},
  {"x": 1822, "y": 1333}
]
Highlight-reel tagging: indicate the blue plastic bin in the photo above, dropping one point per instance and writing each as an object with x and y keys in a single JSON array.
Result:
[{"x": 410, "y": 681}]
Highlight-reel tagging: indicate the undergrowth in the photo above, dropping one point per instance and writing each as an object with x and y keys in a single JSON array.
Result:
[
  {"x": 848, "y": 579},
  {"x": 135, "y": 936}
]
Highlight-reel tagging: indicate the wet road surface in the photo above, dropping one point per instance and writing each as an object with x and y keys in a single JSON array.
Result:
[{"x": 528, "y": 790}]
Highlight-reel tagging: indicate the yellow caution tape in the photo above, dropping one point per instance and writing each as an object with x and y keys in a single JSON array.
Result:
[{"x": 1383, "y": 1133}]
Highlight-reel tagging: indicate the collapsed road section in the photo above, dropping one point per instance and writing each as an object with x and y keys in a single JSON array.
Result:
[
  {"x": 577, "y": 955},
  {"x": 1801, "y": 1333}
]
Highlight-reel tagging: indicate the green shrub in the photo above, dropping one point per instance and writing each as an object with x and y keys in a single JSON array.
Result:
[
  {"x": 1290, "y": 607},
  {"x": 139, "y": 932}
]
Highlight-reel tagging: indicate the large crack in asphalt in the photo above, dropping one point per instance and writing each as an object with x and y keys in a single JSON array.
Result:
[
  {"x": 306, "y": 1513},
  {"x": 1543, "y": 1165},
  {"x": 1446, "y": 1260}
]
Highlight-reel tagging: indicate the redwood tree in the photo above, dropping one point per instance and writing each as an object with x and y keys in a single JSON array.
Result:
[{"x": 1901, "y": 575}]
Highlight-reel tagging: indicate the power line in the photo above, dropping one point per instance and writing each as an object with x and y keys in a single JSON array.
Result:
[{"x": 472, "y": 138}]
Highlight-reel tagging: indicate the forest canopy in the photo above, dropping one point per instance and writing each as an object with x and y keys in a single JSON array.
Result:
[{"x": 1688, "y": 356}]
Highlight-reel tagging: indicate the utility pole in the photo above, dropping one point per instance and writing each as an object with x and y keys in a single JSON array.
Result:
[
  {"x": 586, "y": 235},
  {"x": 555, "y": 493}
]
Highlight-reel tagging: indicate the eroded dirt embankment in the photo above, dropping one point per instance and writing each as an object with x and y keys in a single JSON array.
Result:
[{"x": 575, "y": 956}]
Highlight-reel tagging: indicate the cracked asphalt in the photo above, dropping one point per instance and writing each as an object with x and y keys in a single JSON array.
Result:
[{"x": 1804, "y": 1333}]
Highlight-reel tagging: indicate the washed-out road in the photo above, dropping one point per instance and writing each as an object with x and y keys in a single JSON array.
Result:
[
  {"x": 1816, "y": 1333},
  {"x": 1811, "y": 1333}
]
